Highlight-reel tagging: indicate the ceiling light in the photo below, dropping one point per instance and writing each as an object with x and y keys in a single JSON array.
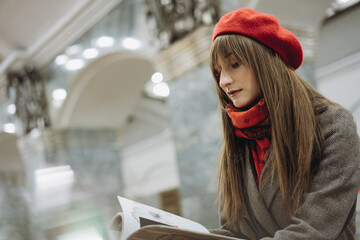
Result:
[
  {"x": 9, "y": 128},
  {"x": 104, "y": 41},
  {"x": 71, "y": 50},
  {"x": 131, "y": 43},
  {"x": 74, "y": 64},
  {"x": 11, "y": 108},
  {"x": 161, "y": 90},
  {"x": 59, "y": 94},
  {"x": 157, "y": 77},
  {"x": 90, "y": 53},
  {"x": 61, "y": 59},
  {"x": 165, "y": 2}
]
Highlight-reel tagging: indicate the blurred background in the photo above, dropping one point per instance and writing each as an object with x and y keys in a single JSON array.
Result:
[{"x": 100, "y": 98}]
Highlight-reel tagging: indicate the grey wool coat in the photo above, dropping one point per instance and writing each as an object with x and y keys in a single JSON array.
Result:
[{"x": 326, "y": 206}]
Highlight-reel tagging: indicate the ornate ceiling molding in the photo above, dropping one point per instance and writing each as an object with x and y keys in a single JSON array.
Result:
[
  {"x": 67, "y": 30},
  {"x": 169, "y": 21}
]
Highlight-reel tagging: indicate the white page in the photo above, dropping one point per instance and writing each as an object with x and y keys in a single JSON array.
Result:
[{"x": 133, "y": 211}]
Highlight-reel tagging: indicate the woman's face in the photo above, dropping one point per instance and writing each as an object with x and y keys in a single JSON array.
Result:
[{"x": 237, "y": 81}]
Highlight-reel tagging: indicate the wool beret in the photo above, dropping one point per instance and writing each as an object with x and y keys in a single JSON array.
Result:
[{"x": 264, "y": 28}]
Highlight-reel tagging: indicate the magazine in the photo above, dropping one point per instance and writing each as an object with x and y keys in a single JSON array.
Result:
[{"x": 139, "y": 221}]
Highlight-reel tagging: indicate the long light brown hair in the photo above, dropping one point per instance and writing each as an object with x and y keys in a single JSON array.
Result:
[{"x": 296, "y": 143}]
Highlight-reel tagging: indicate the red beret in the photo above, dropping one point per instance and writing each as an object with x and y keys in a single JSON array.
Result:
[{"x": 264, "y": 28}]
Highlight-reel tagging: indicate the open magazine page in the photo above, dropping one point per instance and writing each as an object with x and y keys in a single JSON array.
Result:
[{"x": 136, "y": 215}]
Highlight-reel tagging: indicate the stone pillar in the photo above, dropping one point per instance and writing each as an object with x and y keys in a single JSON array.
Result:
[{"x": 195, "y": 122}]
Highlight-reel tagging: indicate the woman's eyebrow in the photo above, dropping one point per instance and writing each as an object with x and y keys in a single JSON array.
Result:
[{"x": 229, "y": 54}]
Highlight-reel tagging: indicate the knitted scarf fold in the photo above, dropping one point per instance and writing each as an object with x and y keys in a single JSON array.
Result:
[{"x": 255, "y": 126}]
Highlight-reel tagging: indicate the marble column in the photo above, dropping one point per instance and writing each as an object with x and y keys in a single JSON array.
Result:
[{"x": 195, "y": 122}]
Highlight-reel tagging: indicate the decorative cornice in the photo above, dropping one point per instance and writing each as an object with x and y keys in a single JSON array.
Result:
[
  {"x": 67, "y": 30},
  {"x": 185, "y": 54}
]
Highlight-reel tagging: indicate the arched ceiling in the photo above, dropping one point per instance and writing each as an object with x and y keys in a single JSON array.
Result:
[{"x": 105, "y": 92}]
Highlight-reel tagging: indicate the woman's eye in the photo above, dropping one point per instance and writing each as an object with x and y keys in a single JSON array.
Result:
[
  {"x": 217, "y": 74},
  {"x": 235, "y": 65}
]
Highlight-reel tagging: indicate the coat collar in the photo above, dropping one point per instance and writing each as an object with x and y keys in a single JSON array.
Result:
[{"x": 260, "y": 207}]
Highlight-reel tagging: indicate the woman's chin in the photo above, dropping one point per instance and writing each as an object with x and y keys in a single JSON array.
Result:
[
  {"x": 245, "y": 105},
  {"x": 241, "y": 104}
]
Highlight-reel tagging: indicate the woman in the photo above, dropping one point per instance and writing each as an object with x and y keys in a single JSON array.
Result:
[{"x": 290, "y": 159}]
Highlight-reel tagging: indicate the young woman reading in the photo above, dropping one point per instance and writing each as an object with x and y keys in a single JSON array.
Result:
[{"x": 290, "y": 157}]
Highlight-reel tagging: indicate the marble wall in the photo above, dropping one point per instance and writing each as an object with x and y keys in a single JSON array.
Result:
[
  {"x": 195, "y": 123},
  {"x": 196, "y": 129}
]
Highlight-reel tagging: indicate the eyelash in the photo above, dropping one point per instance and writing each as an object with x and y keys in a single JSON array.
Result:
[
  {"x": 235, "y": 65},
  {"x": 217, "y": 74}
]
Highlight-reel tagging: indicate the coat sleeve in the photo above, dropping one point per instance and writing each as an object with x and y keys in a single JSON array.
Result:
[
  {"x": 225, "y": 230},
  {"x": 334, "y": 188}
]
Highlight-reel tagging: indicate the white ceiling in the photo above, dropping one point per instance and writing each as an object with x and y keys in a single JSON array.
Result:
[
  {"x": 35, "y": 31},
  {"x": 22, "y": 23}
]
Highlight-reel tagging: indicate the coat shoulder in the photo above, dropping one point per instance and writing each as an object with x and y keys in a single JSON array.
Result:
[{"x": 334, "y": 118}]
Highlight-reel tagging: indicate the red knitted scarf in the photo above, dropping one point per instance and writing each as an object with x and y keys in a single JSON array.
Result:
[{"x": 254, "y": 125}]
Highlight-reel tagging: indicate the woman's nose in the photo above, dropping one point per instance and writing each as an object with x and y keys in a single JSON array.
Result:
[{"x": 225, "y": 80}]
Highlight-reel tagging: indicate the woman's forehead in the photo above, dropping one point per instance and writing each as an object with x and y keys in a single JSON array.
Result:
[
  {"x": 223, "y": 58},
  {"x": 224, "y": 53}
]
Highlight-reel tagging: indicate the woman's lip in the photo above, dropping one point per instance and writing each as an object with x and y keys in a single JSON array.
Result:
[{"x": 233, "y": 93}]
